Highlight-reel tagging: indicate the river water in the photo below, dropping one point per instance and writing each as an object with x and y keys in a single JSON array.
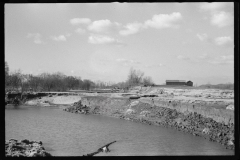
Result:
[{"x": 69, "y": 134}]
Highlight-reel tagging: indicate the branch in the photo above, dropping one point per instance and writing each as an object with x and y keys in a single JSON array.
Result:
[{"x": 100, "y": 149}]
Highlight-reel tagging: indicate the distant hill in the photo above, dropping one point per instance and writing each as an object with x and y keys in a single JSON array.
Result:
[{"x": 218, "y": 86}]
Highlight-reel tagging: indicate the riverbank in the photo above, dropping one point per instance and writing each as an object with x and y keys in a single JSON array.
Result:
[
  {"x": 206, "y": 113},
  {"x": 198, "y": 119},
  {"x": 25, "y": 148},
  {"x": 54, "y": 100}
]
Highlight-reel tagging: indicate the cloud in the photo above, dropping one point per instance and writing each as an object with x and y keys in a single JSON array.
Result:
[
  {"x": 59, "y": 38},
  {"x": 80, "y": 31},
  {"x": 202, "y": 37},
  {"x": 223, "y": 40},
  {"x": 221, "y": 13},
  {"x": 102, "y": 39},
  {"x": 131, "y": 28},
  {"x": 183, "y": 57},
  {"x": 36, "y": 37},
  {"x": 100, "y": 25},
  {"x": 222, "y": 60},
  {"x": 222, "y": 19},
  {"x": 76, "y": 21},
  {"x": 164, "y": 20}
]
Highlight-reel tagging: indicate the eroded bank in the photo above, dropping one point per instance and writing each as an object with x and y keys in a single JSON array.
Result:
[{"x": 200, "y": 119}]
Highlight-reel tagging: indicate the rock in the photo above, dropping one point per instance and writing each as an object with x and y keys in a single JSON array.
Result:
[
  {"x": 230, "y": 142},
  {"x": 25, "y": 141},
  {"x": 134, "y": 103},
  {"x": 129, "y": 111},
  {"x": 25, "y": 148},
  {"x": 206, "y": 131},
  {"x": 231, "y": 107}
]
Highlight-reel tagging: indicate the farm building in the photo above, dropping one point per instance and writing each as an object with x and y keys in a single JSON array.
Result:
[
  {"x": 179, "y": 82},
  {"x": 175, "y": 82},
  {"x": 189, "y": 83}
]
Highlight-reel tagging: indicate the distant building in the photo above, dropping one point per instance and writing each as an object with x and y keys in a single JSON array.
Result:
[
  {"x": 179, "y": 82},
  {"x": 189, "y": 83}
]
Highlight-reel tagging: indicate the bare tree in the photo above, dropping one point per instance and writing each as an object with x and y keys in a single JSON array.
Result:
[
  {"x": 86, "y": 84},
  {"x": 34, "y": 82},
  {"x": 135, "y": 77},
  {"x": 15, "y": 80},
  {"x": 147, "y": 81}
]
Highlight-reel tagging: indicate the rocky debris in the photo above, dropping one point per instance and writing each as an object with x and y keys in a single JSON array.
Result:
[
  {"x": 231, "y": 107},
  {"x": 77, "y": 107},
  {"x": 149, "y": 113},
  {"x": 25, "y": 148},
  {"x": 129, "y": 111},
  {"x": 134, "y": 103}
]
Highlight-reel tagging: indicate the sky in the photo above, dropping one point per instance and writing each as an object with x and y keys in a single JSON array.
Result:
[{"x": 166, "y": 41}]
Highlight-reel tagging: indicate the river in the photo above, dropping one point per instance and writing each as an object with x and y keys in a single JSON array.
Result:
[{"x": 69, "y": 134}]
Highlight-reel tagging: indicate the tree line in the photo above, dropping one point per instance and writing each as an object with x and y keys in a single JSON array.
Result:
[{"x": 58, "y": 81}]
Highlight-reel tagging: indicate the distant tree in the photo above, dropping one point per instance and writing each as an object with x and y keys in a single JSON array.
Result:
[
  {"x": 135, "y": 77},
  {"x": 34, "y": 82},
  {"x": 72, "y": 82},
  {"x": 86, "y": 84},
  {"x": 47, "y": 81},
  {"x": 6, "y": 69},
  {"x": 6, "y": 75},
  {"x": 14, "y": 80},
  {"x": 148, "y": 81}
]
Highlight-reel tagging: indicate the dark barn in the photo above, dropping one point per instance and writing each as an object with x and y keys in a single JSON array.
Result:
[
  {"x": 175, "y": 82},
  {"x": 179, "y": 83},
  {"x": 189, "y": 83}
]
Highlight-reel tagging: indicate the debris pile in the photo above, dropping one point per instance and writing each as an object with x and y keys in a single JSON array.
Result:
[{"x": 25, "y": 148}]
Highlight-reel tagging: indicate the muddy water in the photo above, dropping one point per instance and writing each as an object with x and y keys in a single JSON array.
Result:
[{"x": 69, "y": 134}]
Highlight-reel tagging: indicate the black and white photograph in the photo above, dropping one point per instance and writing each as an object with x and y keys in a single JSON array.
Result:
[{"x": 119, "y": 79}]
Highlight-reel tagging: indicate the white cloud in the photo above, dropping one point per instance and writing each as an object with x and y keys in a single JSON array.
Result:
[
  {"x": 221, "y": 13},
  {"x": 76, "y": 21},
  {"x": 80, "y": 31},
  {"x": 101, "y": 39},
  {"x": 36, "y": 36},
  {"x": 100, "y": 25},
  {"x": 222, "y": 19},
  {"x": 223, "y": 40},
  {"x": 59, "y": 38},
  {"x": 202, "y": 37},
  {"x": 164, "y": 20},
  {"x": 131, "y": 28},
  {"x": 183, "y": 57},
  {"x": 223, "y": 60}
]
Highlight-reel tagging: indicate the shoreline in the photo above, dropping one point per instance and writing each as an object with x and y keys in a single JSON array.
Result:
[
  {"x": 199, "y": 116},
  {"x": 151, "y": 114}
]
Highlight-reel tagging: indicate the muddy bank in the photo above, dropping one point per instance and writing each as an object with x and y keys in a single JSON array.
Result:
[
  {"x": 25, "y": 148},
  {"x": 54, "y": 100},
  {"x": 187, "y": 117}
]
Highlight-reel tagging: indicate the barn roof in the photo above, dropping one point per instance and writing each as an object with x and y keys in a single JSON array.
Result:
[{"x": 175, "y": 81}]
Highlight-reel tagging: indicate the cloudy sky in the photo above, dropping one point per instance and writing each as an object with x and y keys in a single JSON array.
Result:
[{"x": 188, "y": 41}]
